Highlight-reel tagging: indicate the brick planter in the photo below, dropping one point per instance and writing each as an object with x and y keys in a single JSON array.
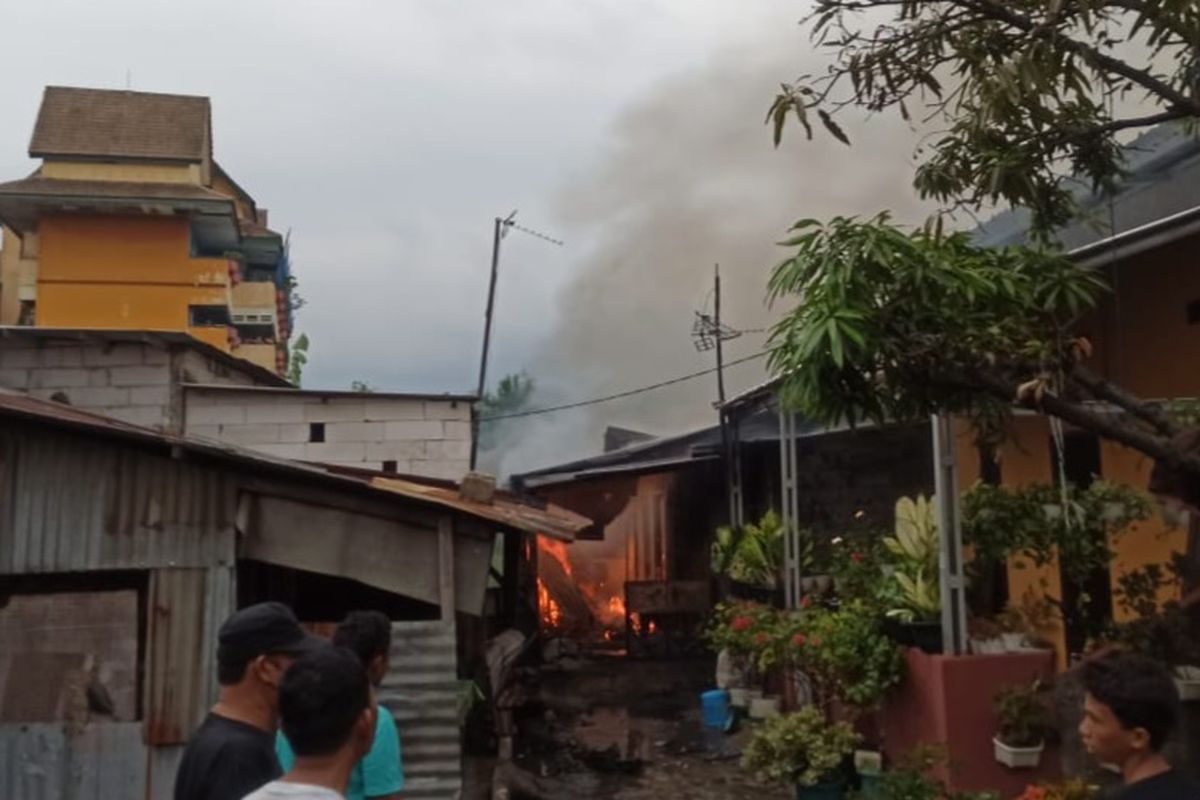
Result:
[{"x": 948, "y": 700}]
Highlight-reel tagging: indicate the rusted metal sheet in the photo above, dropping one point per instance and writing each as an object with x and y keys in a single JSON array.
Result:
[
  {"x": 421, "y": 691},
  {"x": 72, "y": 504},
  {"x": 176, "y": 680},
  {"x": 42, "y": 761},
  {"x": 553, "y": 521},
  {"x": 394, "y": 556}
]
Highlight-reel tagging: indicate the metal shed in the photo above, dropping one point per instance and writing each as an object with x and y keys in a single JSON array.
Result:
[{"x": 120, "y": 551}]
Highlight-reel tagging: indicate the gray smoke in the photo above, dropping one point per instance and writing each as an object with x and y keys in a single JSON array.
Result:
[{"x": 690, "y": 178}]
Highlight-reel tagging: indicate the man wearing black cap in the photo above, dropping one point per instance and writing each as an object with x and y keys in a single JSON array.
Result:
[{"x": 232, "y": 753}]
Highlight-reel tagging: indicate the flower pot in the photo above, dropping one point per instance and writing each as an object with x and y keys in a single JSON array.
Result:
[
  {"x": 988, "y": 647},
  {"x": 1018, "y": 757},
  {"x": 869, "y": 784},
  {"x": 1187, "y": 681},
  {"x": 764, "y": 707},
  {"x": 826, "y": 790},
  {"x": 1013, "y": 642},
  {"x": 739, "y": 697}
]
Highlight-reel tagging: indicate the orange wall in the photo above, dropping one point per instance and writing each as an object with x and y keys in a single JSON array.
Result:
[
  {"x": 1143, "y": 341},
  {"x": 1149, "y": 542},
  {"x": 125, "y": 272}
]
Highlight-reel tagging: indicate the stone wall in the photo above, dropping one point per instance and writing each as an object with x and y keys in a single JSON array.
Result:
[
  {"x": 408, "y": 435},
  {"x": 130, "y": 381}
]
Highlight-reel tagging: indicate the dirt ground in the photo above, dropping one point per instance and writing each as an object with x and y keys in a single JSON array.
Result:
[{"x": 628, "y": 730}]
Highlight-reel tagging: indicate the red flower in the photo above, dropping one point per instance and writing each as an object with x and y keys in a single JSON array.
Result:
[
  {"x": 815, "y": 641},
  {"x": 798, "y": 639},
  {"x": 761, "y": 638},
  {"x": 805, "y": 601},
  {"x": 857, "y": 557},
  {"x": 740, "y": 624}
]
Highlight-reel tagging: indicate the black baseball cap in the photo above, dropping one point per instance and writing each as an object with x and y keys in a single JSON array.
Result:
[{"x": 263, "y": 629}]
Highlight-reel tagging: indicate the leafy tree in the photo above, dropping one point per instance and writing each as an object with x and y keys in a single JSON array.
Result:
[
  {"x": 297, "y": 358},
  {"x": 896, "y": 324},
  {"x": 899, "y": 324},
  {"x": 511, "y": 395},
  {"x": 1016, "y": 89}
]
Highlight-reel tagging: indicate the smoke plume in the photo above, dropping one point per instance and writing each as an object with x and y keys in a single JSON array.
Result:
[{"x": 689, "y": 179}]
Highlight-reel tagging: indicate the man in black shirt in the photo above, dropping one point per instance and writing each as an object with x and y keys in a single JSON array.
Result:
[
  {"x": 232, "y": 753},
  {"x": 1130, "y": 708}
]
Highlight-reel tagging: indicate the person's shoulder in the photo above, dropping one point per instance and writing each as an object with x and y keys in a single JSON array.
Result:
[{"x": 384, "y": 722}]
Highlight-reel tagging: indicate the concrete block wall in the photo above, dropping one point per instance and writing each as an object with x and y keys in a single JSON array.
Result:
[
  {"x": 130, "y": 381},
  {"x": 426, "y": 437}
]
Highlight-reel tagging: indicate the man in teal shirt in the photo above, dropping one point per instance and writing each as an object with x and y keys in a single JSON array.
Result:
[{"x": 379, "y": 775}]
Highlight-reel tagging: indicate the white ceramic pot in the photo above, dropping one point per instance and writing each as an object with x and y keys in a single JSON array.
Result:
[
  {"x": 1187, "y": 681},
  {"x": 988, "y": 647},
  {"x": 1013, "y": 642},
  {"x": 764, "y": 707},
  {"x": 1018, "y": 757},
  {"x": 739, "y": 697}
]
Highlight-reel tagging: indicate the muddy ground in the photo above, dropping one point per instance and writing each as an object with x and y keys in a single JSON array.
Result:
[{"x": 611, "y": 727}]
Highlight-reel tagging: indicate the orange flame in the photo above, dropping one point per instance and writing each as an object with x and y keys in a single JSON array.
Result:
[{"x": 548, "y": 607}]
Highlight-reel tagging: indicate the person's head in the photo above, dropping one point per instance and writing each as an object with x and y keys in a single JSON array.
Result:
[
  {"x": 325, "y": 706},
  {"x": 256, "y": 645},
  {"x": 1130, "y": 708},
  {"x": 367, "y": 634}
]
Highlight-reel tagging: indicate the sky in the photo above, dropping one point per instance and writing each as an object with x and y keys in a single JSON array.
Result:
[{"x": 387, "y": 136}]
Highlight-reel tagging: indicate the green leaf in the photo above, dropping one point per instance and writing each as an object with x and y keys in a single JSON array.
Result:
[{"x": 832, "y": 126}]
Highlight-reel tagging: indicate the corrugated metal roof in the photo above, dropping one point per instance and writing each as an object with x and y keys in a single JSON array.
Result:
[
  {"x": 1163, "y": 178},
  {"x": 128, "y": 509},
  {"x": 164, "y": 339},
  {"x": 553, "y": 521}
]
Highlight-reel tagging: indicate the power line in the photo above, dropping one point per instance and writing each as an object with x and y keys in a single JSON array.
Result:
[{"x": 619, "y": 395}]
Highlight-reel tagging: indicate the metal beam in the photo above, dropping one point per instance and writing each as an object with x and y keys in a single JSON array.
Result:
[{"x": 950, "y": 559}]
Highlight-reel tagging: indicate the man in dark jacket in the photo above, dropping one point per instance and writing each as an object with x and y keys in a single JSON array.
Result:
[{"x": 232, "y": 753}]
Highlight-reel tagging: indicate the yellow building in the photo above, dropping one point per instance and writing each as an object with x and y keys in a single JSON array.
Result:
[{"x": 129, "y": 223}]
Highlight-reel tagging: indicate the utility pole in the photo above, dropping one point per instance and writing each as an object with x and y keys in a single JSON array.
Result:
[
  {"x": 727, "y": 456},
  {"x": 502, "y": 226},
  {"x": 717, "y": 320}
]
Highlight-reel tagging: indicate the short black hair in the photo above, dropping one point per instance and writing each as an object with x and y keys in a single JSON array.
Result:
[
  {"x": 321, "y": 697},
  {"x": 1139, "y": 691},
  {"x": 367, "y": 634},
  {"x": 231, "y": 671}
]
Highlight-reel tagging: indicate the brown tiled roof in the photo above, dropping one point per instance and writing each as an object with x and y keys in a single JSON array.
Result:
[
  {"x": 54, "y": 187},
  {"x": 103, "y": 123}
]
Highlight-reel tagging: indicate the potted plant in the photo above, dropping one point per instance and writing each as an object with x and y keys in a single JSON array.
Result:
[
  {"x": 986, "y": 636},
  {"x": 732, "y": 630},
  {"x": 916, "y": 593},
  {"x": 803, "y": 750},
  {"x": 1012, "y": 629},
  {"x": 1023, "y": 719}
]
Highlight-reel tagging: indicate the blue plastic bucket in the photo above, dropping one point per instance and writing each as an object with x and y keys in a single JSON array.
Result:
[{"x": 714, "y": 706}]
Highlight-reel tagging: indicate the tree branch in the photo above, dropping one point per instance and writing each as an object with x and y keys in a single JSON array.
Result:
[
  {"x": 1105, "y": 425},
  {"x": 1000, "y": 12},
  {"x": 1102, "y": 389}
]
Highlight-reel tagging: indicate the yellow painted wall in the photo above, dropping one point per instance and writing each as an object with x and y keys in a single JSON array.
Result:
[
  {"x": 126, "y": 272},
  {"x": 18, "y": 269},
  {"x": 1143, "y": 341},
  {"x": 254, "y": 296},
  {"x": 135, "y": 173},
  {"x": 1149, "y": 542},
  {"x": 261, "y": 354},
  {"x": 225, "y": 187}
]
